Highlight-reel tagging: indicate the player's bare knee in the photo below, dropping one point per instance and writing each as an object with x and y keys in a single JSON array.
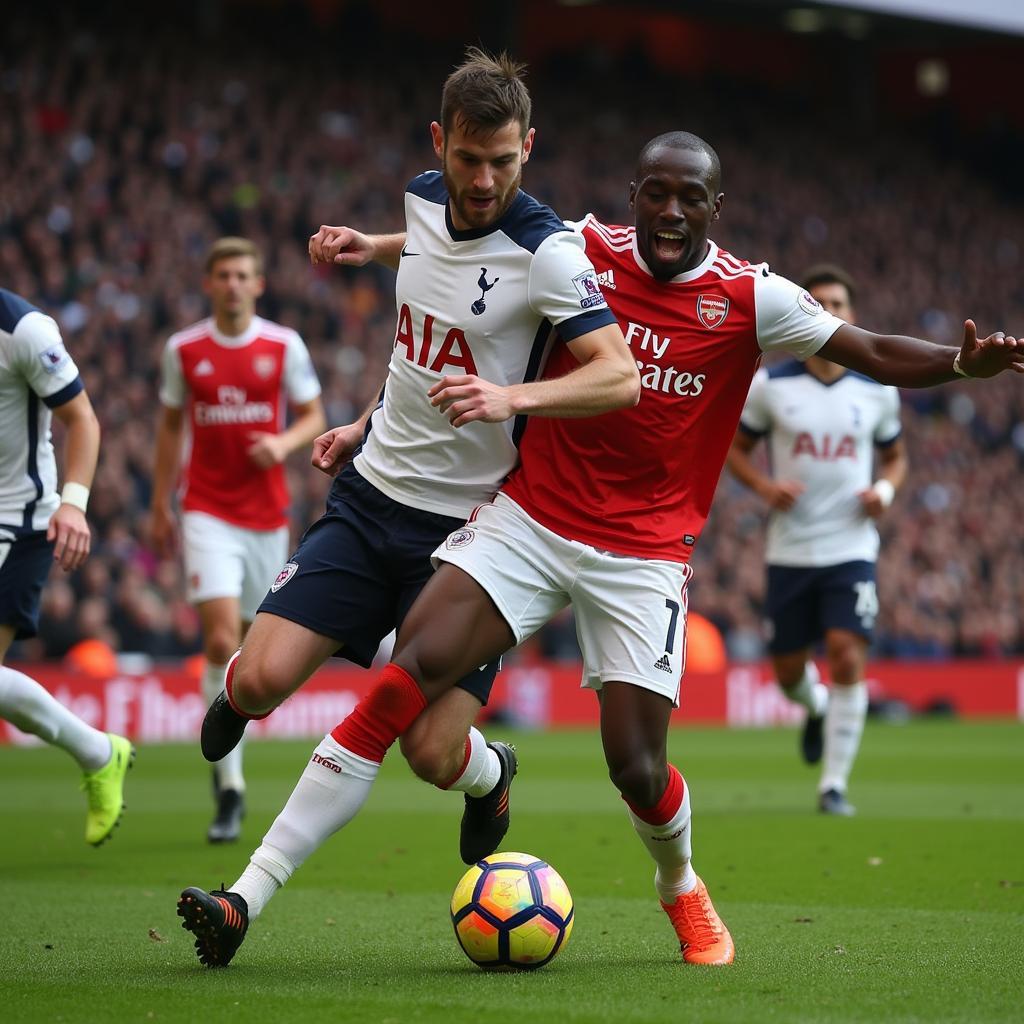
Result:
[
  {"x": 258, "y": 686},
  {"x": 431, "y": 761},
  {"x": 640, "y": 779},
  {"x": 428, "y": 664},
  {"x": 846, "y": 661}
]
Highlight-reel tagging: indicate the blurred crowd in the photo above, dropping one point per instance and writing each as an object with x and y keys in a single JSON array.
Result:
[{"x": 117, "y": 173}]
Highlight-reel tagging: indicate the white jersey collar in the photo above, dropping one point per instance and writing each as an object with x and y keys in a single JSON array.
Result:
[
  {"x": 251, "y": 333},
  {"x": 688, "y": 275}
]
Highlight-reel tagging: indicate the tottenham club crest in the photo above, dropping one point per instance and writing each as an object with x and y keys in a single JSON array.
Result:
[
  {"x": 289, "y": 570},
  {"x": 459, "y": 539},
  {"x": 712, "y": 310},
  {"x": 479, "y": 306}
]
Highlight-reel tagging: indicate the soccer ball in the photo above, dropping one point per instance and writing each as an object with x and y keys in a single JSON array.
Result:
[{"x": 511, "y": 912}]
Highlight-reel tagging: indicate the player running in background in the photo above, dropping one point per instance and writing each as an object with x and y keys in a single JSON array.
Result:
[
  {"x": 603, "y": 513},
  {"x": 228, "y": 377},
  {"x": 486, "y": 273},
  {"x": 38, "y": 379},
  {"x": 823, "y": 423}
]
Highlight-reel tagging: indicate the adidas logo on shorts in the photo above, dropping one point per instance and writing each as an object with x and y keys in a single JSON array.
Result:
[{"x": 664, "y": 663}]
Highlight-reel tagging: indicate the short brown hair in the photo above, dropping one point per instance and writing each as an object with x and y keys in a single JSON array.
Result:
[
  {"x": 829, "y": 273},
  {"x": 225, "y": 248},
  {"x": 484, "y": 93}
]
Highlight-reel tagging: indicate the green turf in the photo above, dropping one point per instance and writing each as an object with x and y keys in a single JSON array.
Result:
[{"x": 912, "y": 911}]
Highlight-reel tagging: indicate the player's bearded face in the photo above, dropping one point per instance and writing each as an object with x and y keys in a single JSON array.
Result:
[{"x": 483, "y": 172}]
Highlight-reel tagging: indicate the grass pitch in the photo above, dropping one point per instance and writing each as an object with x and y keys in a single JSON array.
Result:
[{"x": 912, "y": 911}]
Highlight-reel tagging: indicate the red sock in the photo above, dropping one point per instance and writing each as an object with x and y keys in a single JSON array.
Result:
[
  {"x": 458, "y": 775},
  {"x": 229, "y": 676},
  {"x": 671, "y": 800},
  {"x": 382, "y": 715}
]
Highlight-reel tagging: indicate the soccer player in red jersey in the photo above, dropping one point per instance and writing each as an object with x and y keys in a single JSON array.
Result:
[
  {"x": 604, "y": 512},
  {"x": 228, "y": 379}
]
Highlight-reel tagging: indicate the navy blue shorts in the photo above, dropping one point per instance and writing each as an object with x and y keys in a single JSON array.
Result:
[
  {"x": 358, "y": 570},
  {"x": 803, "y": 602},
  {"x": 25, "y": 562}
]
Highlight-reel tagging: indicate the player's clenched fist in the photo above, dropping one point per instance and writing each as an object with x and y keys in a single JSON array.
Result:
[
  {"x": 340, "y": 245},
  {"x": 69, "y": 533},
  {"x": 467, "y": 399}
]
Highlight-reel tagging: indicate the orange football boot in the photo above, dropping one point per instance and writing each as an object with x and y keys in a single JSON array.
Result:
[{"x": 703, "y": 937}]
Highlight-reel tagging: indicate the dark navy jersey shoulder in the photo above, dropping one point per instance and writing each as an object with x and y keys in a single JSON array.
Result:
[
  {"x": 12, "y": 309},
  {"x": 790, "y": 368},
  {"x": 528, "y": 223},
  {"x": 430, "y": 186}
]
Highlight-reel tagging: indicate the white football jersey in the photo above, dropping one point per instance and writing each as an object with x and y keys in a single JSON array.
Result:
[
  {"x": 483, "y": 302},
  {"x": 36, "y": 375},
  {"x": 824, "y": 436}
]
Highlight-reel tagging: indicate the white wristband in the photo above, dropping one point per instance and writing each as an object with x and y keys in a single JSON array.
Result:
[
  {"x": 76, "y": 495},
  {"x": 885, "y": 491},
  {"x": 958, "y": 369}
]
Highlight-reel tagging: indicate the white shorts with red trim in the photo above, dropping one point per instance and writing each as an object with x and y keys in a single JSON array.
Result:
[
  {"x": 224, "y": 560},
  {"x": 630, "y": 612}
]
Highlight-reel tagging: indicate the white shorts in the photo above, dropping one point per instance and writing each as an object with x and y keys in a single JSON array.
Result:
[
  {"x": 630, "y": 612},
  {"x": 224, "y": 560}
]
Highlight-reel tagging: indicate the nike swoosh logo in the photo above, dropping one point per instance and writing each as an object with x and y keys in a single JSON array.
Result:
[{"x": 405, "y": 252}]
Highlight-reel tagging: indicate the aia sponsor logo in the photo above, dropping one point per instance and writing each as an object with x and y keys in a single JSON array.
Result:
[
  {"x": 289, "y": 570},
  {"x": 326, "y": 762},
  {"x": 435, "y": 351},
  {"x": 712, "y": 310},
  {"x": 460, "y": 539},
  {"x": 825, "y": 449}
]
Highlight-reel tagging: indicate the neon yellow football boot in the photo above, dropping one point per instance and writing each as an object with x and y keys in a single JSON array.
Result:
[{"x": 104, "y": 789}]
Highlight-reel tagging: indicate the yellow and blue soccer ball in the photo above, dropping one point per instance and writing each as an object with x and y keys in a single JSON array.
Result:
[{"x": 511, "y": 912}]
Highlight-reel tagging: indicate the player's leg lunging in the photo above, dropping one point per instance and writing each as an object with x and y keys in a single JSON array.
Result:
[
  {"x": 798, "y": 677},
  {"x": 634, "y": 728},
  {"x": 103, "y": 757},
  {"x": 844, "y": 721}
]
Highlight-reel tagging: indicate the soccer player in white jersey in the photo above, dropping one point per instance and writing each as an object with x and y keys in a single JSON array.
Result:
[
  {"x": 38, "y": 526},
  {"x": 486, "y": 275},
  {"x": 823, "y": 423},
  {"x": 225, "y": 383}
]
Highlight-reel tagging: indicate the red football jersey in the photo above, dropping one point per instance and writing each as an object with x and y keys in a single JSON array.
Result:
[
  {"x": 640, "y": 481},
  {"x": 236, "y": 388}
]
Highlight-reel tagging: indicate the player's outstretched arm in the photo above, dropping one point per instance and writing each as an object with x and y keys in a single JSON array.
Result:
[
  {"x": 68, "y": 529},
  {"x": 350, "y": 248},
  {"x": 606, "y": 379},
  {"x": 914, "y": 363},
  {"x": 780, "y": 495}
]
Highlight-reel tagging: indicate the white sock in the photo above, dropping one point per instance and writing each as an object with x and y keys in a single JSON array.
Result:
[
  {"x": 810, "y": 691},
  {"x": 844, "y": 724},
  {"x": 25, "y": 704},
  {"x": 483, "y": 769},
  {"x": 669, "y": 845},
  {"x": 228, "y": 769},
  {"x": 328, "y": 795}
]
